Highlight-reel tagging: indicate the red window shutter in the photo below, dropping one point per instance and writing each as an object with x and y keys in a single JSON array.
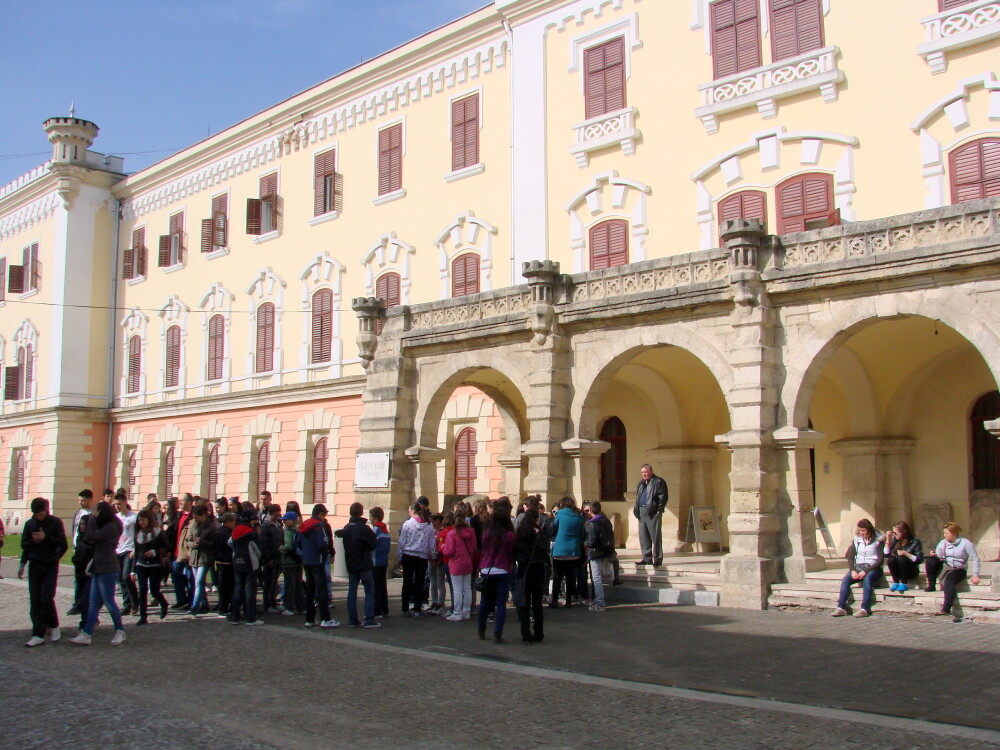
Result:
[
  {"x": 15, "y": 279},
  {"x": 263, "y": 459},
  {"x": 253, "y": 215},
  {"x": 796, "y": 27},
  {"x": 265, "y": 338},
  {"x": 746, "y": 204},
  {"x": 323, "y": 168},
  {"x": 128, "y": 264},
  {"x": 132, "y": 474},
  {"x": 168, "y": 472},
  {"x": 465, "y": 275},
  {"x": 12, "y": 383},
  {"x": 29, "y": 370},
  {"x": 177, "y": 232},
  {"x": 466, "y": 447},
  {"x": 609, "y": 244},
  {"x": 3, "y": 279},
  {"x": 735, "y": 36},
  {"x": 322, "y": 325},
  {"x": 173, "y": 363},
  {"x": 465, "y": 132},
  {"x": 20, "y": 475},
  {"x": 134, "y": 364},
  {"x": 387, "y": 290},
  {"x": 614, "y": 476},
  {"x": 975, "y": 170},
  {"x": 34, "y": 272},
  {"x": 604, "y": 78},
  {"x": 269, "y": 185},
  {"x": 949, "y": 4},
  {"x": 220, "y": 220},
  {"x": 805, "y": 202},
  {"x": 390, "y": 159},
  {"x": 216, "y": 346},
  {"x": 163, "y": 260},
  {"x": 213, "y": 471},
  {"x": 206, "y": 235},
  {"x": 319, "y": 471}
]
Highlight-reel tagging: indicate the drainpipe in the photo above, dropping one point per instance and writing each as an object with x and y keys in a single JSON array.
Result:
[{"x": 111, "y": 331}]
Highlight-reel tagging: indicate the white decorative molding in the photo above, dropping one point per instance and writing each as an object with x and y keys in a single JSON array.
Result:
[
  {"x": 134, "y": 323},
  {"x": 627, "y": 27},
  {"x": 764, "y": 86},
  {"x": 174, "y": 311},
  {"x": 23, "y": 218},
  {"x": 701, "y": 18},
  {"x": 21, "y": 439},
  {"x": 267, "y": 287},
  {"x": 781, "y": 137},
  {"x": 389, "y": 254},
  {"x": 461, "y": 174},
  {"x": 325, "y": 272},
  {"x": 263, "y": 425},
  {"x": 395, "y": 195},
  {"x": 953, "y": 29},
  {"x": 612, "y": 129},
  {"x": 369, "y": 107},
  {"x": 576, "y": 13},
  {"x": 170, "y": 433},
  {"x": 26, "y": 179},
  {"x": 627, "y": 200},
  {"x": 217, "y": 299},
  {"x": 467, "y": 234},
  {"x": 987, "y": 81}
]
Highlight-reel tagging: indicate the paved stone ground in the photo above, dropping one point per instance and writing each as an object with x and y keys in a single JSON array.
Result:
[{"x": 686, "y": 677}]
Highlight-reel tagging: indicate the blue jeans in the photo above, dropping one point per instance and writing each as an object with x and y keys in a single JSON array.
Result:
[
  {"x": 198, "y": 601},
  {"x": 102, "y": 591},
  {"x": 183, "y": 581},
  {"x": 867, "y": 586},
  {"x": 367, "y": 579},
  {"x": 244, "y": 597},
  {"x": 494, "y": 597}
]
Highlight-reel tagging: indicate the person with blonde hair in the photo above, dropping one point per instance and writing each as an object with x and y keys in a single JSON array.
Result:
[
  {"x": 864, "y": 560},
  {"x": 954, "y": 555}
]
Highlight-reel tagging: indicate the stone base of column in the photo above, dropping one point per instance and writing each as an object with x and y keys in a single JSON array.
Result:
[
  {"x": 746, "y": 581},
  {"x": 797, "y": 566}
]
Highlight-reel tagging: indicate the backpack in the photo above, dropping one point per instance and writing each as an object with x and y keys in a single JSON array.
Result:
[{"x": 606, "y": 535}]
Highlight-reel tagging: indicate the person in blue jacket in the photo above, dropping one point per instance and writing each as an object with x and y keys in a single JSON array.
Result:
[{"x": 567, "y": 550}]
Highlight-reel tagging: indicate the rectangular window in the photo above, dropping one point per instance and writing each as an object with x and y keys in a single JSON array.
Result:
[
  {"x": 604, "y": 85},
  {"x": 325, "y": 182},
  {"x": 465, "y": 133},
  {"x": 796, "y": 27},
  {"x": 265, "y": 338},
  {"x": 735, "y": 36},
  {"x": 263, "y": 213},
  {"x": 390, "y": 159},
  {"x": 12, "y": 383},
  {"x": 134, "y": 264},
  {"x": 171, "y": 250},
  {"x": 216, "y": 347},
  {"x": 3, "y": 279},
  {"x": 25, "y": 277},
  {"x": 134, "y": 365},
  {"x": 214, "y": 230}
]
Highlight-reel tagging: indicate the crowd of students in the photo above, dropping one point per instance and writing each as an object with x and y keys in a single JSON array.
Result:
[{"x": 265, "y": 559}]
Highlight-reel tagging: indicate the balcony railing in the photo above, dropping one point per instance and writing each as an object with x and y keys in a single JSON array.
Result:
[
  {"x": 957, "y": 28},
  {"x": 612, "y": 129},
  {"x": 763, "y": 86}
]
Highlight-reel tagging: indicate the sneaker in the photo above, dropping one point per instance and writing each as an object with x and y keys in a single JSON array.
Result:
[
  {"x": 35, "y": 641},
  {"x": 234, "y": 622},
  {"x": 119, "y": 638},
  {"x": 372, "y": 624},
  {"x": 55, "y": 634},
  {"x": 80, "y": 639},
  {"x": 453, "y": 618},
  {"x": 902, "y": 587},
  {"x": 287, "y": 613},
  {"x": 942, "y": 613},
  {"x": 420, "y": 614},
  {"x": 596, "y": 608},
  {"x": 309, "y": 624},
  {"x": 586, "y": 602},
  {"x": 931, "y": 589},
  {"x": 255, "y": 622},
  {"x": 331, "y": 623},
  {"x": 839, "y": 612},
  {"x": 894, "y": 587},
  {"x": 862, "y": 613},
  {"x": 619, "y": 582},
  {"x": 74, "y": 610}
]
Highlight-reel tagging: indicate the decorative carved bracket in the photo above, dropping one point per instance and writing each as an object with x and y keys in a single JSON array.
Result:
[
  {"x": 542, "y": 276},
  {"x": 742, "y": 240},
  {"x": 369, "y": 310}
]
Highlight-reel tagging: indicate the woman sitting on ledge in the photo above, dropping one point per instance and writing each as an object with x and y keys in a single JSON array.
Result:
[
  {"x": 864, "y": 559},
  {"x": 903, "y": 554},
  {"x": 955, "y": 556}
]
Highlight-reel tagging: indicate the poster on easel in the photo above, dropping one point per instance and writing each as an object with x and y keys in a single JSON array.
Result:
[
  {"x": 824, "y": 531},
  {"x": 703, "y": 526}
]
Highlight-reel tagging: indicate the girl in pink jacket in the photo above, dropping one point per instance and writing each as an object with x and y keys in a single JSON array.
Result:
[{"x": 463, "y": 556}]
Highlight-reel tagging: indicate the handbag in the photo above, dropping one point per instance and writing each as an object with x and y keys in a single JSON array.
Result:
[{"x": 480, "y": 583}]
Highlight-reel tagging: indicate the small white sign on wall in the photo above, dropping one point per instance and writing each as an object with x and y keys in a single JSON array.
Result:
[{"x": 371, "y": 470}]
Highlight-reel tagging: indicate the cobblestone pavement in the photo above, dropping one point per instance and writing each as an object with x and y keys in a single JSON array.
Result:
[{"x": 684, "y": 677}]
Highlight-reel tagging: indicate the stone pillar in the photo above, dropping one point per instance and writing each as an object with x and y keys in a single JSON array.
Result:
[
  {"x": 426, "y": 460},
  {"x": 875, "y": 481},
  {"x": 586, "y": 456},
  {"x": 513, "y": 466},
  {"x": 796, "y": 502},
  {"x": 750, "y": 567},
  {"x": 549, "y": 389},
  {"x": 687, "y": 471}
]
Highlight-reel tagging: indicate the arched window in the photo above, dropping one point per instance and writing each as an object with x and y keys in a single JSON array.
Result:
[
  {"x": 216, "y": 347},
  {"x": 263, "y": 459},
  {"x": 213, "y": 472},
  {"x": 322, "y": 325},
  {"x": 319, "y": 471},
  {"x": 132, "y": 476},
  {"x": 608, "y": 244},
  {"x": 387, "y": 289},
  {"x": 975, "y": 170},
  {"x": 265, "y": 338},
  {"x": 806, "y": 202},
  {"x": 465, "y": 275},
  {"x": 746, "y": 204},
  {"x": 985, "y": 447},
  {"x": 20, "y": 470},
  {"x": 613, "y": 462},
  {"x": 134, "y": 364},
  {"x": 465, "y": 461},
  {"x": 168, "y": 472},
  {"x": 18, "y": 378},
  {"x": 171, "y": 374}
]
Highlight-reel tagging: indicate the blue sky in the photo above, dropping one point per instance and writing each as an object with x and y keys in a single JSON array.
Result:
[{"x": 160, "y": 75}]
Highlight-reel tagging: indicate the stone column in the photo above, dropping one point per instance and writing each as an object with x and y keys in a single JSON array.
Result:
[
  {"x": 875, "y": 481},
  {"x": 750, "y": 567},
  {"x": 687, "y": 471},
  {"x": 510, "y": 485},
  {"x": 586, "y": 455},
  {"x": 796, "y": 500},
  {"x": 426, "y": 460}
]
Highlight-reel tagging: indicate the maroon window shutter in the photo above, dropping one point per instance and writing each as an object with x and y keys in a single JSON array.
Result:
[
  {"x": 128, "y": 264},
  {"x": 614, "y": 475},
  {"x": 975, "y": 170},
  {"x": 735, "y": 36},
  {"x": 3, "y": 279},
  {"x": 265, "y": 338},
  {"x": 253, "y": 215},
  {"x": 944, "y": 5},
  {"x": 139, "y": 252},
  {"x": 323, "y": 169},
  {"x": 796, "y": 27},
  {"x": 177, "y": 231},
  {"x": 168, "y": 471},
  {"x": 390, "y": 159},
  {"x": 31, "y": 262},
  {"x": 263, "y": 459},
  {"x": 163, "y": 259},
  {"x": 216, "y": 346},
  {"x": 319, "y": 471},
  {"x": 213, "y": 471},
  {"x": 465, "y": 132},
  {"x": 387, "y": 289},
  {"x": 465, "y": 275},
  {"x": 15, "y": 279},
  {"x": 206, "y": 235},
  {"x": 269, "y": 185},
  {"x": 173, "y": 363},
  {"x": 132, "y": 474},
  {"x": 29, "y": 370},
  {"x": 609, "y": 244},
  {"x": 805, "y": 202},
  {"x": 322, "y": 325},
  {"x": 11, "y": 383},
  {"x": 20, "y": 475},
  {"x": 220, "y": 220},
  {"x": 746, "y": 204},
  {"x": 134, "y": 364},
  {"x": 604, "y": 78},
  {"x": 466, "y": 447}
]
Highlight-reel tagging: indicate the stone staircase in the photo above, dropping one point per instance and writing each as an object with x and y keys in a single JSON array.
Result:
[
  {"x": 820, "y": 589},
  {"x": 682, "y": 579}
]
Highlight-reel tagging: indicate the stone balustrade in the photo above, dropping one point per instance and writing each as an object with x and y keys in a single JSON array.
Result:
[
  {"x": 614, "y": 128},
  {"x": 956, "y": 28}
]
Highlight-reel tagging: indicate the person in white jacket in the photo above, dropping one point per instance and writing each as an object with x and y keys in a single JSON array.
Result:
[
  {"x": 959, "y": 555},
  {"x": 414, "y": 550}
]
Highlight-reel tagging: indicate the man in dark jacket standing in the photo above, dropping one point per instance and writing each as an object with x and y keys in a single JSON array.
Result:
[
  {"x": 272, "y": 533},
  {"x": 359, "y": 543},
  {"x": 246, "y": 562},
  {"x": 43, "y": 542},
  {"x": 650, "y": 502},
  {"x": 313, "y": 546}
]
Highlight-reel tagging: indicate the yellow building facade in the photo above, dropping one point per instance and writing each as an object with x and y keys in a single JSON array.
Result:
[{"x": 752, "y": 242}]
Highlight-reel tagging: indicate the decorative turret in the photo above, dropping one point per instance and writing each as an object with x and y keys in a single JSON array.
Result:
[{"x": 70, "y": 138}]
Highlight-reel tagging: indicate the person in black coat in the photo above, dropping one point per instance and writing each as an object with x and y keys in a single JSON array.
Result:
[
  {"x": 650, "y": 502},
  {"x": 43, "y": 542},
  {"x": 359, "y": 543}
]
